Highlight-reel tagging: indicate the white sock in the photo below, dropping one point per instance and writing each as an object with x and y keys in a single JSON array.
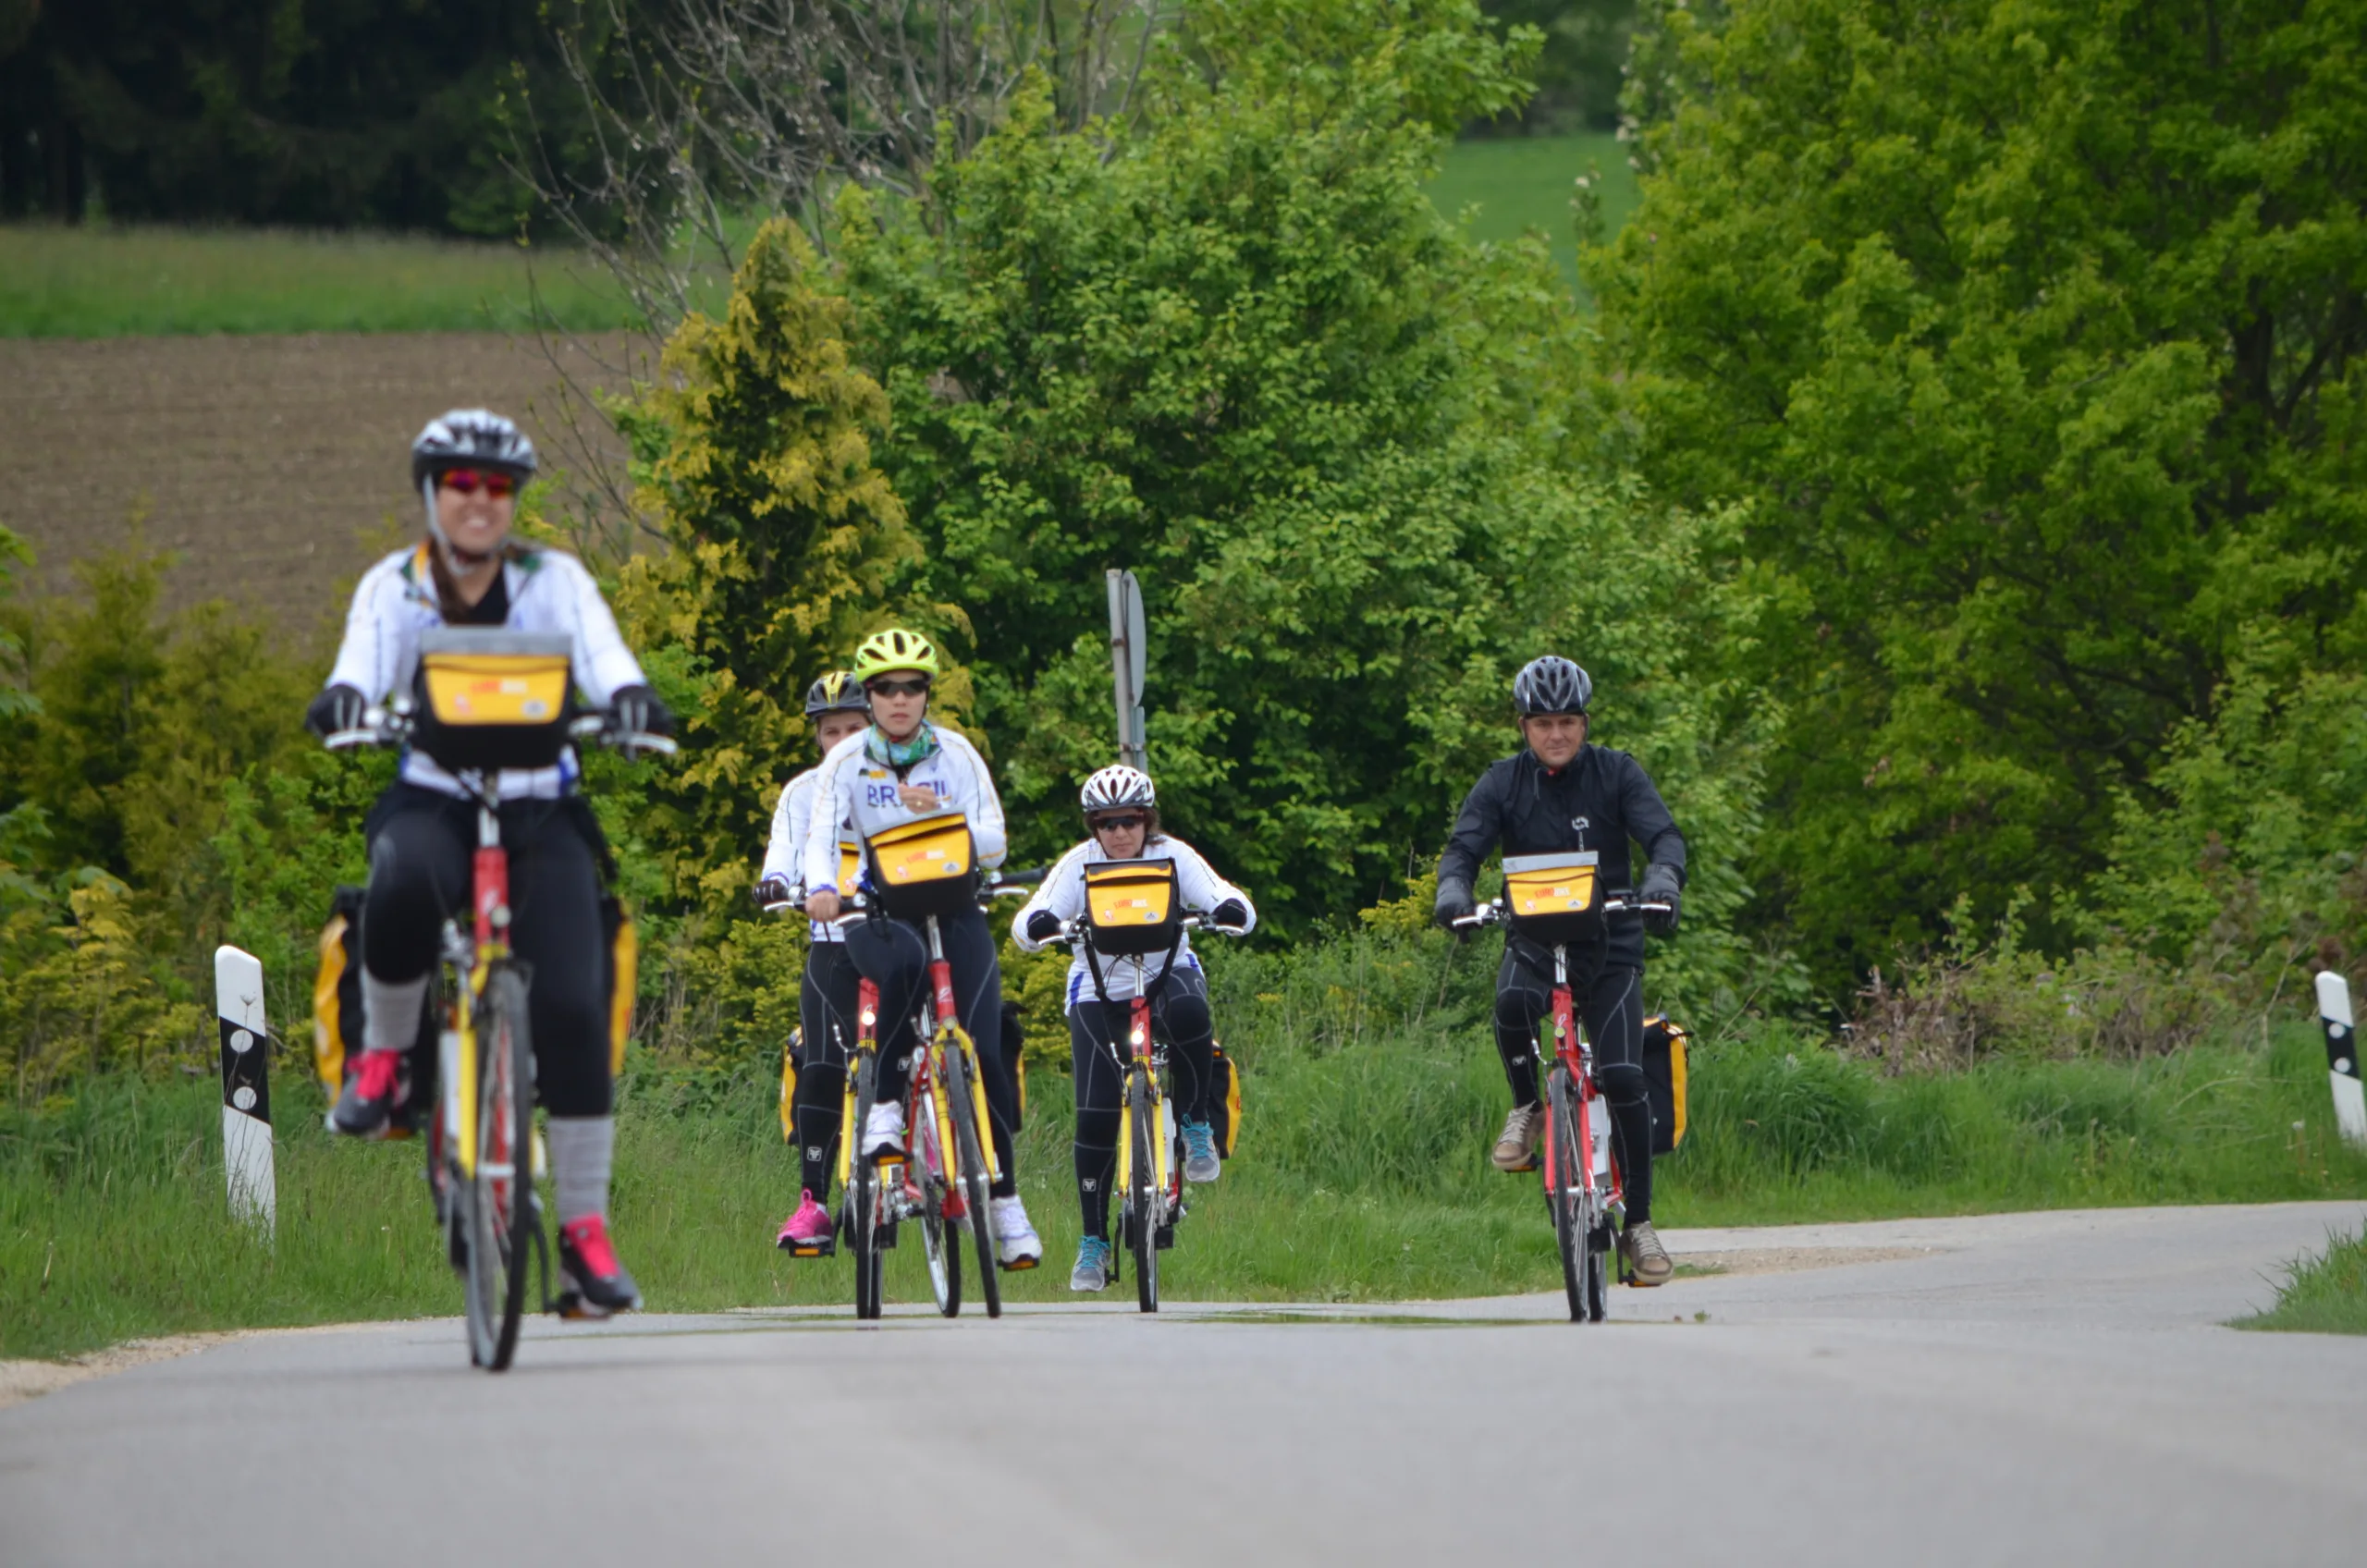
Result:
[
  {"x": 583, "y": 1150},
  {"x": 391, "y": 1011}
]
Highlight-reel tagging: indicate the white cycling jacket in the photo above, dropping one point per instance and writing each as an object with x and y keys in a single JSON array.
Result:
[
  {"x": 785, "y": 852},
  {"x": 1064, "y": 893},
  {"x": 859, "y": 792},
  {"x": 550, "y": 591}
]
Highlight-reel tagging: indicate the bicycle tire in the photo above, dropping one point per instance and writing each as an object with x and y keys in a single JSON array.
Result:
[
  {"x": 862, "y": 1197},
  {"x": 1142, "y": 1187},
  {"x": 1599, "y": 1244},
  {"x": 977, "y": 1186},
  {"x": 1561, "y": 1175},
  {"x": 500, "y": 1206},
  {"x": 942, "y": 1251}
]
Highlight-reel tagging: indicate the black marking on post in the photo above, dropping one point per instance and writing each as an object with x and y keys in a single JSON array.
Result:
[
  {"x": 246, "y": 1073},
  {"x": 2342, "y": 1047}
]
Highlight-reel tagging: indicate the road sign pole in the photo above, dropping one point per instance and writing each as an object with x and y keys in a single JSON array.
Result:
[
  {"x": 1129, "y": 662},
  {"x": 246, "y": 1088},
  {"x": 2342, "y": 1057}
]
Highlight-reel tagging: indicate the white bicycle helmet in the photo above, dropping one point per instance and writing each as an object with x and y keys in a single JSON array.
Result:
[{"x": 1117, "y": 787}]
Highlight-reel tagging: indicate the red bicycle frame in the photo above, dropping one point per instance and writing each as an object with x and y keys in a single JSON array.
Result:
[{"x": 1569, "y": 1049}]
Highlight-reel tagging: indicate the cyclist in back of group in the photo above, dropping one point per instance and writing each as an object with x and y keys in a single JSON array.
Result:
[
  {"x": 839, "y": 709},
  {"x": 421, "y": 833},
  {"x": 1561, "y": 793},
  {"x": 1122, "y": 816},
  {"x": 898, "y": 768}
]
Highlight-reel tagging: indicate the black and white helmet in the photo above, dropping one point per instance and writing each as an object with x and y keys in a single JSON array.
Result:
[
  {"x": 471, "y": 439},
  {"x": 1551, "y": 684},
  {"x": 1117, "y": 787}
]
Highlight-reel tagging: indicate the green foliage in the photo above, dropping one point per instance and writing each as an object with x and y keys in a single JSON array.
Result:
[
  {"x": 1580, "y": 62},
  {"x": 2033, "y": 332},
  {"x": 1243, "y": 356}
]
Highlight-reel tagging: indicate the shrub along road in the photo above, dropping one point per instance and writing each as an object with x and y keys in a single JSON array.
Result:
[{"x": 2047, "y": 1387}]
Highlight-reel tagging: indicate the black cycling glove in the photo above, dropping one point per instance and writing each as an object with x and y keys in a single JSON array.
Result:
[
  {"x": 1661, "y": 886},
  {"x": 1455, "y": 903},
  {"x": 772, "y": 890},
  {"x": 1043, "y": 926},
  {"x": 639, "y": 711},
  {"x": 1231, "y": 915},
  {"x": 338, "y": 707}
]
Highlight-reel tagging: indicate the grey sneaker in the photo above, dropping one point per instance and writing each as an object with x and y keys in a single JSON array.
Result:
[
  {"x": 1092, "y": 1270},
  {"x": 1517, "y": 1145},
  {"x": 1201, "y": 1165},
  {"x": 1647, "y": 1261}
]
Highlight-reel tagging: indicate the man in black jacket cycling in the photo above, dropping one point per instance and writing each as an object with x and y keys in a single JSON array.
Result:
[{"x": 1556, "y": 795}]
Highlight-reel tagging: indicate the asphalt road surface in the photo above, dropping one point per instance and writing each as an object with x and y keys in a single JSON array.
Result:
[{"x": 2026, "y": 1389}]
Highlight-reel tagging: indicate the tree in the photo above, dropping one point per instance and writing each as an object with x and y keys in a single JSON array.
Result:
[
  {"x": 2032, "y": 333},
  {"x": 1579, "y": 66},
  {"x": 1240, "y": 354}
]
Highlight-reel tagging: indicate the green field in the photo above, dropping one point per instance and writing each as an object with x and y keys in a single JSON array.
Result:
[
  {"x": 1520, "y": 183},
  {"x": 103, "y": 281}
]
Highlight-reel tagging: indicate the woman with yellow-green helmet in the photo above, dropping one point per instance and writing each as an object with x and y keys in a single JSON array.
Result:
[{"x": 899, "y": 768}]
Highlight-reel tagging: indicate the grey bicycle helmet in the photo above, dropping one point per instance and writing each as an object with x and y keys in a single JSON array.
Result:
[
  {"x": 837, "y": 691},
  {"x": 1551, "y": 684},
  {"x": 471, "y": 439},
  {"x": 1115, "y": 787}
]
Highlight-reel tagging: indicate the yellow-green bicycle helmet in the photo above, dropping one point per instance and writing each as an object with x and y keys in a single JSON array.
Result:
[{"x": 884, "y": 653}]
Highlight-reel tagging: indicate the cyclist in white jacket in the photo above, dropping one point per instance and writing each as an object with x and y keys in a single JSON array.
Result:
[
  {"x": 900, "y": 768},
  {"x": 468, "y": 467},
  {"x": 1122, "y": 810},
  {"x": 826, "y": 1001}
]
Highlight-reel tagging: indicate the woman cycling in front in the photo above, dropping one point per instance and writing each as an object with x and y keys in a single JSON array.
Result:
[
  {"x": 1122, "y": 813},
  {"x": 422, "y": 832},
  {"x": 898, "y": 768},
  {"x": 826, "y": 1000}
]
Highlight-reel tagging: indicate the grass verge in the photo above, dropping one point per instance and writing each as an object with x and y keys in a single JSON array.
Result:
[
  {"x": 2321, "y": 1296},
  {"x": 106, "y": 281}
]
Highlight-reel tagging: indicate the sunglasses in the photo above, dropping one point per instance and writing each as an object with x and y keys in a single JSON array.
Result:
[
  {"x": 898, "y": 687},
  {"x": 468, "y": 481},
  {"x": 1117, "y": 824}
]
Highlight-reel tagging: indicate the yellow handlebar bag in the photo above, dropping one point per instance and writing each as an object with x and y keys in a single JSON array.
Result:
[
  {"x": 1132, "y": 906},
  {"x": 923, "y": 867},
  {"x": 1553, "y": 898},
  {"x": 492, "y": 699}
]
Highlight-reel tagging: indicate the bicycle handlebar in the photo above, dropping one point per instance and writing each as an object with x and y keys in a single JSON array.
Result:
[
  {"x": 391, "y": 726},
  {"x": 995, "y": 884},
  {"x": 1493, "y": 912}
]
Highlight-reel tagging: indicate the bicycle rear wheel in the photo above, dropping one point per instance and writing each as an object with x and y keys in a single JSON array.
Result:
[
  {"x": 1565, "y": 1183},
  {"x": 1141, "y": 1186},
  {"x": 499, "y": 1196},
  {"x": 862, "y": 1197},
  {"x": 971, "y": 1175},
  {"x": 941, "y": 1246}
]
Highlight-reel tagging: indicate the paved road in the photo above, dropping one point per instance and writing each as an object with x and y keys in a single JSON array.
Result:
[{"x": 2029, "y": 1388}]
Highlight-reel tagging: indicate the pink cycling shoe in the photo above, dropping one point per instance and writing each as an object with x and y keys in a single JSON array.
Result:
[{"x": 810, "y": 1233}]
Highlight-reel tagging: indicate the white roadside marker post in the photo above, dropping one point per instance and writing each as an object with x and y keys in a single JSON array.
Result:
[
  {"x": 2342, "y": 1057},
  {"x": 246, "y": 1089}
]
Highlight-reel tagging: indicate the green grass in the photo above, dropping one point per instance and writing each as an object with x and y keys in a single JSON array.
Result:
[
  {"x": 106, "y": 281},
  {"x": 1371, "y": 1094},
  {"x": 2321, "y": 1296},
  {"x": 1520, "y": 183}
]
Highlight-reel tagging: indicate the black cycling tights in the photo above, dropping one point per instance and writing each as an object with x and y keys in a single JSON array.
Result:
[
  {"x": 422, "y": 849},
  {"x": 895, "y": 956},
  {"x": 1096, "y": 1038},
  {"x": 1610, "y": 1005}
]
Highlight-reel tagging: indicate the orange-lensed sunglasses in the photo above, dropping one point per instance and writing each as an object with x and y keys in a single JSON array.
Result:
[{"x": 468, "y": 481}]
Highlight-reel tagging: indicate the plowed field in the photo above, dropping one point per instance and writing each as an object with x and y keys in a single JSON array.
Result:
[{"x": 275, "y": 467}]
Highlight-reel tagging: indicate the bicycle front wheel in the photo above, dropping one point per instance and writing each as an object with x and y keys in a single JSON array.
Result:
[
  {"x": 500, "y": 1191},
  {"x": 939, "y": 1243},
  {"x": 862, "y": 1197},
  {"x": 969, "y": 1174},
  {"x": 1566, "y": 1178},
  {"x": 1142, "y": 1185}
]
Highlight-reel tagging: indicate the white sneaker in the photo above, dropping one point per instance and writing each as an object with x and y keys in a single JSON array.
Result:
[
  {"x": 1016, "y": 1244},
  {"x": 884, "y": 1132}
]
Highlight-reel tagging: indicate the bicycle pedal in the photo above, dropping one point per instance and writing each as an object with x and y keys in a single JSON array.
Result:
[
  {"x": 1022, "y": 1267},
  {"x": 1163, "y": 1238},
  {"x": 826, "y": 1247}
]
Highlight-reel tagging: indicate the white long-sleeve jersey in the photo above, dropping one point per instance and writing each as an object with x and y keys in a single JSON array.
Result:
[
  {"x": 855, "y": 790},
  {"x": 785, "y": 850},
  {"x": 550, "y": 591},
  {"x": 1064, "y": 893}
]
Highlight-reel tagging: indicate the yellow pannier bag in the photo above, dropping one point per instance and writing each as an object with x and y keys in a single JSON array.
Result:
[
  {"x": 1554, "y": 898},
  {"x": 624, "y": 976},
  {"x": 788, "y": 1085},
  {"x": 923, "y": 867},
  {"x": 1132, "y": 906},
  {"x": 1225, "y": 1103},
  {"x": 1664, "y": 1043},
  {"x": 488, "y": 698}
]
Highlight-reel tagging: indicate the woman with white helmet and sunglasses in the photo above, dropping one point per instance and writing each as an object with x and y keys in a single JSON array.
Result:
[{"x": 1121, "y": 814}]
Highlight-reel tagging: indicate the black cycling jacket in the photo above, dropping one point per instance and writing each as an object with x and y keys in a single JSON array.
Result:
[{"x": 1599, "y": 802}]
